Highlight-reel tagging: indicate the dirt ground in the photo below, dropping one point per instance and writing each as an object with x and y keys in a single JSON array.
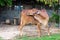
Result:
[{"x": 10, "y": 31}]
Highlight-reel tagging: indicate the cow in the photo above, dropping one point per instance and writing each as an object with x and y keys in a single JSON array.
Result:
[{"x": 34, "y": 16}]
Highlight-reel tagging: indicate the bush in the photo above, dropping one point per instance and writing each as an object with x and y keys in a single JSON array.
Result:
[{"x": 54, "y": 18}]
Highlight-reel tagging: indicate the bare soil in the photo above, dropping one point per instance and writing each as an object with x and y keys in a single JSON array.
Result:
[{"x": 10, "y": 31}]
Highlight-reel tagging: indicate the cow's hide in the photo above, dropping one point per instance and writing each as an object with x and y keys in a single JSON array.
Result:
[{"x": 34, "y": 16}]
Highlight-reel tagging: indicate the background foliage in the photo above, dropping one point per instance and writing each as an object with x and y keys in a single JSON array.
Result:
[
  {"x": 54, "y": 17},
  {"x": 5, "y": 2},
  {"x": 50, "y": 2}
]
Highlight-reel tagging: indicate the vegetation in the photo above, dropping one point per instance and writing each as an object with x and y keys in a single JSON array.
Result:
[
  {"x": 1, "y": 38},
  {"x": 52, "y": 37},
  {"x": 5, "y": 2},
  {"x": 50, "y": 2},
  {"x": 54, "y": 17}
]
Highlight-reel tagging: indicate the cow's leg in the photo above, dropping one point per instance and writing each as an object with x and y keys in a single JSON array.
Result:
[
  {"x": 39, "y": 29},
  {"x": 48, "y": 29},
  {"x": 20, "y": 28}
]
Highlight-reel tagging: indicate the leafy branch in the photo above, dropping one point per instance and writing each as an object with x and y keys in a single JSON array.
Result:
[{"x": 6, "y": 2}]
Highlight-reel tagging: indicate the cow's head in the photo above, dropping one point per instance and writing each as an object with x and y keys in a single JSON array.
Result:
[{"x": 42, "y": 16}]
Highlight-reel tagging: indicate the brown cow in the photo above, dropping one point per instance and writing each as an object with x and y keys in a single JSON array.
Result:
[{"x": 34, "y": 16}]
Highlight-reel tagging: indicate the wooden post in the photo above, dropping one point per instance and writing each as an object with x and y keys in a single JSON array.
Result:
[{"x": 14, "y": 21}]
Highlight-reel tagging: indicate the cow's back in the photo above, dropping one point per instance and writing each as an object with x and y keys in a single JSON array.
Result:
[{"x": 26, "y": 19}]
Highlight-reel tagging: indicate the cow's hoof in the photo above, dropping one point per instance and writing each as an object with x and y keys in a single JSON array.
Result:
[
  {"x": 20, "y": 33},
  {"x": 49, "y": 33},
  {"x": 39, "y": 35}
]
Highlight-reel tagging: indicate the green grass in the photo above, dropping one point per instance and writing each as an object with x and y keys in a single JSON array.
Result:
[
  {"x": 51, "y": 37},
  {"x": 1, "y": 38}
]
